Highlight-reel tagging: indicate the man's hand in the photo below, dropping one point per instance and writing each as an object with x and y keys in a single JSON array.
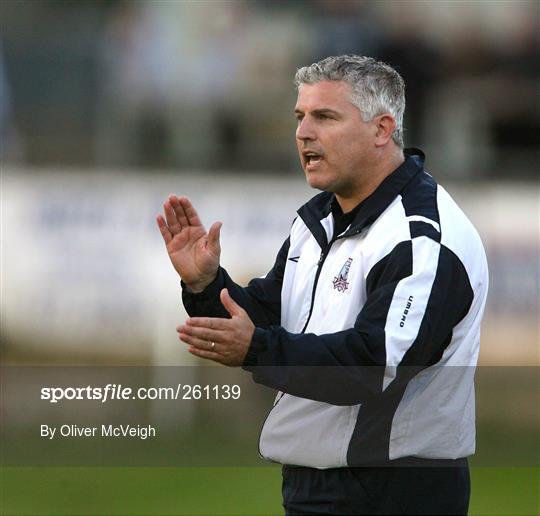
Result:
[
  {"x": 223, "y": 340},
  {"x": 194, "y": 253}
]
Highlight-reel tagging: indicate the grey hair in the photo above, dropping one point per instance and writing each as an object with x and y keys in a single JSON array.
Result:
[{"x": 376, "y": 87}]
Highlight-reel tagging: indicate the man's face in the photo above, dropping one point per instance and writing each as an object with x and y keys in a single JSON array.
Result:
[{"x": 335, "y": 145}]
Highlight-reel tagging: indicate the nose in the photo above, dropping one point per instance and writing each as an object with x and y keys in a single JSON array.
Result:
[{"x": 305, "y": 130}]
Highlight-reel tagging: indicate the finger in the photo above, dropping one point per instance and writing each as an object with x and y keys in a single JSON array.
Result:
[
  {"x": 213, "y": 238},
  {"x": 191, "y": 213},
  {"x": 205, "y": 354},
  {"x": 214, "y": 323},
  {"x": 165, "y": 233},
  {"x": 230, "y": 304},
  {"x": 202, "y": 333},
  {"x": 203, "y": 344},
  {"x": 179, "y": 211},
  {"x": 170, "y": 215}
]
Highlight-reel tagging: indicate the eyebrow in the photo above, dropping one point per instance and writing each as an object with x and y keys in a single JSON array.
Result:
[{"x": 322, "y": 111}]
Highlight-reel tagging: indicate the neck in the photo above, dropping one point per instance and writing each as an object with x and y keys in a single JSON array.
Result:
[{"x": 372, "y": 177}]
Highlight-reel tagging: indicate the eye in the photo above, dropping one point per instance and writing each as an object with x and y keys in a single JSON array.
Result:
[{"x": 324, "y": 116}]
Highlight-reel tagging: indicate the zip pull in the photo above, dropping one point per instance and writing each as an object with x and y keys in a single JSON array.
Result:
[{"x": 324, "y": 252}]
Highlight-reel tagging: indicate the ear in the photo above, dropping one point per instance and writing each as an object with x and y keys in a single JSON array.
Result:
[{"x": 385, "y": 125}]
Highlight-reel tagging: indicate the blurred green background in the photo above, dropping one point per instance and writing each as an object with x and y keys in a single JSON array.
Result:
[{"x": 209, "y": 491}]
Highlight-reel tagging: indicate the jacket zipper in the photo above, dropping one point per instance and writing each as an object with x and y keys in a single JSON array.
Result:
[
  {"x": 322, "y": 258},
  {"x": 320, "y": 263}
]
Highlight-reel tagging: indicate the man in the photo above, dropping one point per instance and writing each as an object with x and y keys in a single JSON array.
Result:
[{"x": 368, "y": 323}]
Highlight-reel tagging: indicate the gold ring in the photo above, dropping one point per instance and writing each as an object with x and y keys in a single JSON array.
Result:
[{"x": 213, "y": 345}]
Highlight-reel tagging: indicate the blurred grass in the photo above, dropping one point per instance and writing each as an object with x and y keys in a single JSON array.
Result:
[
  {"x": 213, "y": 491},
  {"x": 148, "y": 491}
]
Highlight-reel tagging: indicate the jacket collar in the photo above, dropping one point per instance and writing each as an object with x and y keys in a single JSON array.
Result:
[{"x": 320, "y": 206}]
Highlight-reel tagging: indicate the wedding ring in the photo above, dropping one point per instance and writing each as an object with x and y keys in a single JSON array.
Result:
[{"x": 212, "y": 346}]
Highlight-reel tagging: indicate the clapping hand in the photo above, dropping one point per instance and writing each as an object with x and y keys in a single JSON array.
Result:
[
  {"x": 222, "y": 340},
  {"x": 194, "y": 253}
]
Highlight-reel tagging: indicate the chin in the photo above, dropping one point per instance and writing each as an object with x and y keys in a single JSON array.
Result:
[{"x": 318, "y": 183}]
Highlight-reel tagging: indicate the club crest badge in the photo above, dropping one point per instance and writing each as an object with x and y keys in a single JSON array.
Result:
[{"x": 340, "y": 281}]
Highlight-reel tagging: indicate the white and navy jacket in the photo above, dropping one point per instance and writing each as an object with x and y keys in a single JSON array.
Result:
[{"x": 370, "y": 336}]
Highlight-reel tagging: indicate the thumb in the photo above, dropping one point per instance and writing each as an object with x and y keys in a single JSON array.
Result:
[
  {"x": 230, "y": 304},
  {"x": 213, "y": 238}
]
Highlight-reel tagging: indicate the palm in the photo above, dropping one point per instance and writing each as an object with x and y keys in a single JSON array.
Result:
[
  {"x": 190, "y": 255},
  {"x": 194, "y": 253}
]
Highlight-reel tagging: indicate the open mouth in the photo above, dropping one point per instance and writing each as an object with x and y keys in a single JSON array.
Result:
[{"x": 312, "y": 158}]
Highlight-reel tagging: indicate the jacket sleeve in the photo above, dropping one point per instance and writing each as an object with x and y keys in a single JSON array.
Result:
[
  {"x": 415, "y": 296},
  {"x": 261, "y": 298}
]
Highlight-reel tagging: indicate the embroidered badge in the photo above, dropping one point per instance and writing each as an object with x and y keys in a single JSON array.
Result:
[{"x": 340, "y": 281}]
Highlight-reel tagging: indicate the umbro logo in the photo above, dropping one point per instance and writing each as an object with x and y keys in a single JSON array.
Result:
[
  {"x": 340, "y": 281},
  {"x": 406, "y": 311}
]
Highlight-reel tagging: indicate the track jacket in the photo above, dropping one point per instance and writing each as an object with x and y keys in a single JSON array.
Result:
[{"x": 371, "y": 336}]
